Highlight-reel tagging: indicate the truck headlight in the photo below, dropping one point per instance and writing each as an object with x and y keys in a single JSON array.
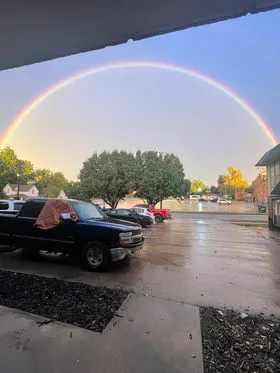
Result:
[{"x": 125, "y": 237}]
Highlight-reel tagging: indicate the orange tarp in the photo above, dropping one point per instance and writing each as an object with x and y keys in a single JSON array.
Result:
[{"x": 49, "y": 217}]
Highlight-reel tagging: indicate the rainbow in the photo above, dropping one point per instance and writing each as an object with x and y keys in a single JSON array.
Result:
[{"x": 15, "y": 123}]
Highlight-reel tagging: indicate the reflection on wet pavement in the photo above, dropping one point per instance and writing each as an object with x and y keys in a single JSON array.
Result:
[
  {"x": 205, "y": 262},
  {"x": 191, "y": 205}
]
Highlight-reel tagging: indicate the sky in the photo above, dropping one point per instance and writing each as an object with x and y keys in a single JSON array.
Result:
[{"x": 154, "y": 109}]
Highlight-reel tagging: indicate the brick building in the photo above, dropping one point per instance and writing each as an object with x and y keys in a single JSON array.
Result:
[{"x": 271, "y": 160}]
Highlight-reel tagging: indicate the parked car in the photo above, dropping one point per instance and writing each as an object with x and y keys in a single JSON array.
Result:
[
  {"x": 145, "y": 211},
  {"x": 202, "y": 199},
  {"x": 223, "y": 201},
  {"x": 160, "y": 214},
  {"x": 130, "y": 215},
  {"x": 194, "y": 197},
  {"x": 10, "y": 206},
  {"x": 213, "y": 199},
  {"x": 95, "y": 238}
]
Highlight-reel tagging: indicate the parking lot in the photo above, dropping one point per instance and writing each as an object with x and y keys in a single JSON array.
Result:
[
  {"x": 185, "y": 263},
  {"x": 196, "y": 261}
]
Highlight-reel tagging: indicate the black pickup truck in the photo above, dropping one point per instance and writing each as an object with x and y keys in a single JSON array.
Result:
[{"x": 94, "y": 237}]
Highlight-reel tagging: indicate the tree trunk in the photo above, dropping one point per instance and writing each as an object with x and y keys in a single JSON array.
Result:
[{"x": 161, "y": 203}]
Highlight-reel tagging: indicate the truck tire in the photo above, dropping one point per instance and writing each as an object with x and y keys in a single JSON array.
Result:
[
  {"x": 95, "y": 255},
  {"x": 158, "y": 218},
  {"x": 30, "y": 253}
]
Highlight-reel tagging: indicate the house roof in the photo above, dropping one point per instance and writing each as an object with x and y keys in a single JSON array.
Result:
[
  {"x": 276, "y": 190},
  {"x": 270, "y": 157},
  {"x": 22, "y": 188}
]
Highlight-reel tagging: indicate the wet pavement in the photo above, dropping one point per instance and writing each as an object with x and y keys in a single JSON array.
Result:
[
  {"x": 194, "y": 206},
  {"x": 194, "y": 261},
  {"x": 185, "y": 263}
]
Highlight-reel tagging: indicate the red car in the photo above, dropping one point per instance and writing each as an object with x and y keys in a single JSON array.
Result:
[{"x": 160, "y": 214}]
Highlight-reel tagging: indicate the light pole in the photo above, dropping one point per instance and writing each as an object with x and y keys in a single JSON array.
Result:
[{"x": 18, "y": 186}]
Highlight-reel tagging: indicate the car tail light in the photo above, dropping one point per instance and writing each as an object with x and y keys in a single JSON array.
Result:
[{"x": 149, "y": 214}]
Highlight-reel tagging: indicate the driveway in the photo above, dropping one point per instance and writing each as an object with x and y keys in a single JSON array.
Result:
[{"x": 185, "y": 263}]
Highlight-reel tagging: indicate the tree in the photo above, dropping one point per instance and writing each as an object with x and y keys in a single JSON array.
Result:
[
  {"x": 233, "y": 180},
  {"x": 221, "y": 184},
  {"x": 110, "y": 176},
  {"x": 198, "y": 186},
  {"x": 74, "y": 190},
  {"x": 214, "y": 189},
  {"x": 50, "y": 183},
  {"x": 14, "y": 170},
  {"x": 160, "y": 176},
  {"x": 186, "y": 188}
]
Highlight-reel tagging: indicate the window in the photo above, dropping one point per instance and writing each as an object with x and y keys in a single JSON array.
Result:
[
  {"x": 88, "y": 211},
  {"x": 123, "y": 212},
  {"x": 277, "y": 173},
  {"x": 4, "y": 206},
  {"x": 139, "y": 211},
  {"x": 32, "y": 209},
  {"x": 18, "y": 206},
  {"x": 111, "y": 212}
]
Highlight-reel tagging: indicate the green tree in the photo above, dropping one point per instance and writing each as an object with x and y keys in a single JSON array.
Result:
[
  {"x": 186, "y": 188},
  {"x": 198, "y": 186},
  {"x": 50, "y": 183},
  {"x": 74, "y": 190},
  {"x": 14, "y": 170},
  {"x": 214, "y": 189},
  {"x": 221, "y": 184},
  {"x": 160, "y": 176},
  {"x": 110, "y": 176}
]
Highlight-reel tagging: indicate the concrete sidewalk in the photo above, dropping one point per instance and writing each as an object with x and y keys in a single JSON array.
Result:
[{"x": 149, "y": 335}]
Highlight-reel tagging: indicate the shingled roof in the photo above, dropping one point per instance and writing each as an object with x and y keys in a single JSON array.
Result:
[
  {"x": 22, "y": 188},
  {"x": 270, "y": 157}
]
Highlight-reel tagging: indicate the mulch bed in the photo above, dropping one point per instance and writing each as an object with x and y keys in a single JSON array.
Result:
[
  {"x": 236, "y": 342},
  {"x": 85, "y": 306}
]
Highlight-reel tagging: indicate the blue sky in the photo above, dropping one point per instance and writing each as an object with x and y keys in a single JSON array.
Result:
[{"x": 157, "y": 110}]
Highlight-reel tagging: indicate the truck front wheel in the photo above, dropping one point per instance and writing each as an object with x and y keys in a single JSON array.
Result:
[
  {"x": 95, "y": 255},
  {"x": 158, "y": 218}
]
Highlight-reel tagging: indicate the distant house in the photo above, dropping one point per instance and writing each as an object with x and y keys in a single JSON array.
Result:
[
  {"x": 271, "y": 160},
  {"x": 25, "y": 191},
  {"x": 62, "y": 194}
]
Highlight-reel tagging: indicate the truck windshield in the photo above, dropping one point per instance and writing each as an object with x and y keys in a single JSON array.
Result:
[{"x": 88, "y": 211}]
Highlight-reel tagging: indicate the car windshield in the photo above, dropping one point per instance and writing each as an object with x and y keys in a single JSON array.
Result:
[{"x": 88, "y": 211}]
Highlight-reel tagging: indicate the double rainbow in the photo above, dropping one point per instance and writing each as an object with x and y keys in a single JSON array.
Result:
[{"x": 38, "y": 100}]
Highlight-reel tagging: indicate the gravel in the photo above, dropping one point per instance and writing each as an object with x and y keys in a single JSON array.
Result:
[
  {"x": 237, "y": 342},
  {"x": 89, "y": 307}
]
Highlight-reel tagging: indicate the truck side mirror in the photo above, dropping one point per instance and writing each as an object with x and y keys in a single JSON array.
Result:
[{"x": 65, "y": 216}]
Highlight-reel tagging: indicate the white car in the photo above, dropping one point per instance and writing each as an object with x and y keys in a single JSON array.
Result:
[
  {"x": 223, "y": 201},
  {"x": 7, "y": 206},
  {"x": 194, "y": 197},
  {"x": 144, "y": 211}
]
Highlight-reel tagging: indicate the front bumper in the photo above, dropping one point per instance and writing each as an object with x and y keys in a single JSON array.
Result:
[{"x": 119, "y": 253}]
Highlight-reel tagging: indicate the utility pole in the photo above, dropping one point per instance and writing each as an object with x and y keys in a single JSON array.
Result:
[
  {"x": 18, "y": 185},
  {"x": 18, "y": 179}
]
